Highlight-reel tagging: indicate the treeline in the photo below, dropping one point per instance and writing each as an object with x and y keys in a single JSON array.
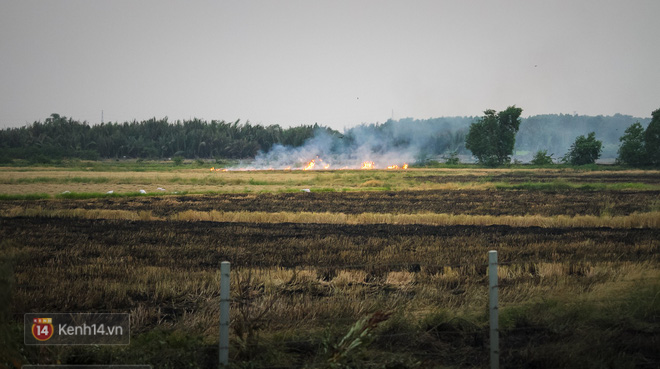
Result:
[
  {"x": 60, "y": 137},
  {"x": 556, "y": 132},
  {"x": 427, "y": 138},
  {"x": 492, "y": 138}
]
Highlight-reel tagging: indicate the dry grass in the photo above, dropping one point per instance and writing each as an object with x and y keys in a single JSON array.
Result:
[
  {"x": 310, "y": 271},
  {"x": 639, "y": 220},
  {"x": 165, "y": 273},
  {"x": 57, "y": 180}
]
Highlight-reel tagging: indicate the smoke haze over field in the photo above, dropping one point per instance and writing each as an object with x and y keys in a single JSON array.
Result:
[
  {"x": 388, "y": 144},
  {"x": 415, "y": 141}
]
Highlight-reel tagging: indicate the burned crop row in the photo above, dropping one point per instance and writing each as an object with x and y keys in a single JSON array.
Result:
[
  {"x": 650, "y": 177},
  {"x": 50, "y": 248},
  {"x": 469, "y": 202},
  {"x": 292, "y": 282}
]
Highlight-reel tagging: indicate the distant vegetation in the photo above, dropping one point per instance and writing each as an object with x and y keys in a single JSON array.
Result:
[
  {"x": 556, "y": 132},
  {"x": 492, "y": 138},
  {"x": 641, "y": 147},
  {"x": 59, "y": 137}
]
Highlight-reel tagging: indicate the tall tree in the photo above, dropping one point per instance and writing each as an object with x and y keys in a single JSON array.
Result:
[
  {"x": 632, "y": 150},
  {"x": 492, "y": 137},
  {"x": 585, "y": 150},
  {"x": 652, "y": 139}
]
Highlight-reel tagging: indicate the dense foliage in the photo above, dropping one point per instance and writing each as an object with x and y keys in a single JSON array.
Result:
[
  {"x": 585, "y": 150},
  {"x": 640, "y": 147},
  {"x": 542, "y": 158},
  {"x": 427, "y": 139},
  {"x": 62, "y": 137},
  {"x": 632, "y": 150},
  {"x": 652, "y": 139},
  {"x": 492, "y": 137}
]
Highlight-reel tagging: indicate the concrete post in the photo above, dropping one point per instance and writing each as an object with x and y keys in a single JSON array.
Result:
[
  {"x": 494, "y": 313},
  {"x": 224, "y": 313}
]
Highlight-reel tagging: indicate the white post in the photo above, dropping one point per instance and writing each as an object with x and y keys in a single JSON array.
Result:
[
  {"x": 224, "y": 313},
  {"x": 494, "y": 320}
]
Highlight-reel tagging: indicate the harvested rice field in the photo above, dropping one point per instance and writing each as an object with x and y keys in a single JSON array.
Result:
[{"x": 388, "y": 274}]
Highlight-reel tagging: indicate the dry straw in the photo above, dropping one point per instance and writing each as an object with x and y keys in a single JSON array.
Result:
[{"x": 636, "y": 220}]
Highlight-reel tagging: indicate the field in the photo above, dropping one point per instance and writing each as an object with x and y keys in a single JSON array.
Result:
[{"x": 367, "y": 269}]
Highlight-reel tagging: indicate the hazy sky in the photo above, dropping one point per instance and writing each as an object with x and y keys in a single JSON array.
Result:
[{"x": 338, "y": 63}]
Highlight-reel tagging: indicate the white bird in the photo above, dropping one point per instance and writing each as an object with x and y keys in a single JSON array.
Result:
[
  {"x": 109, "y": 192},
  {"x": 161, "y": 189},
  {"x": 305, "y": 190},
  {"x": 143, "y": 191}
]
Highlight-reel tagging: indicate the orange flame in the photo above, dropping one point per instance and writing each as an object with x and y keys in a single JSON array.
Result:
[
  {"x": 310, "y": 165},
  {"x": 368, "y": 165},
  {"x": 317, "y": 163},
  {"x": 394, "y": 167}
]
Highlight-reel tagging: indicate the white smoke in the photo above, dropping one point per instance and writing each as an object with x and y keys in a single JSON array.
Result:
[
  {"x": 416, "y": 141},
  {"x": 330, "y": 152},
  {"x": 394, "y": 143}
]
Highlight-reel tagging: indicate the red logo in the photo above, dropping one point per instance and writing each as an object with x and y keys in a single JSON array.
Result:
[{"x": 42, "y": 328}]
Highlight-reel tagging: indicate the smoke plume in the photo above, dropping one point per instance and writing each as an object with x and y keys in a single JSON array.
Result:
[{"x": 393, "y": 143}]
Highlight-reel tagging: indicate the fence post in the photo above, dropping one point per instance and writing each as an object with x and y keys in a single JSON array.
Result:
[
  {"x": 493, "y": 308},
  {"x": 224, "y": 313}
]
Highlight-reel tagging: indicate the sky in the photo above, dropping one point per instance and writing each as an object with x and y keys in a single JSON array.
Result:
[{"x": 336, "y": 63}]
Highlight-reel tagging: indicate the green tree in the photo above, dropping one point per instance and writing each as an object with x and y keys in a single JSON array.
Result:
[
  {"x": 652, "y": 139},
  {"x": 542, "y": 158},
  {"x": 492, "y": 137},
  {"x": 585, "y": 150},
  {"x": 632, "y": 150}
]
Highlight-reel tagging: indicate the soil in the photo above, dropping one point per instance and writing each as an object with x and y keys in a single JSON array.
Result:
[
  {"x": 180, "y": 244},
  {"x": 521, "y": 176},
  {"x": 471, "y": 202}
]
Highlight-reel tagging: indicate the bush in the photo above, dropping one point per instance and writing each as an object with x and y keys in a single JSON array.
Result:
[
  {"x": 178, "y": 160},
  {"x": 542, "y": 158}
]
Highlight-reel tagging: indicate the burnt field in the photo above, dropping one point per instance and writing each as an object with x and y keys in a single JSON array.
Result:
[
  {"x": 291, "y": 280},
  {"x": 546, "y": 177},
  {"x": 302, "y": 288},
  {"x": 470, "y": 202},
  {"x": 202, "y": 245}
]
